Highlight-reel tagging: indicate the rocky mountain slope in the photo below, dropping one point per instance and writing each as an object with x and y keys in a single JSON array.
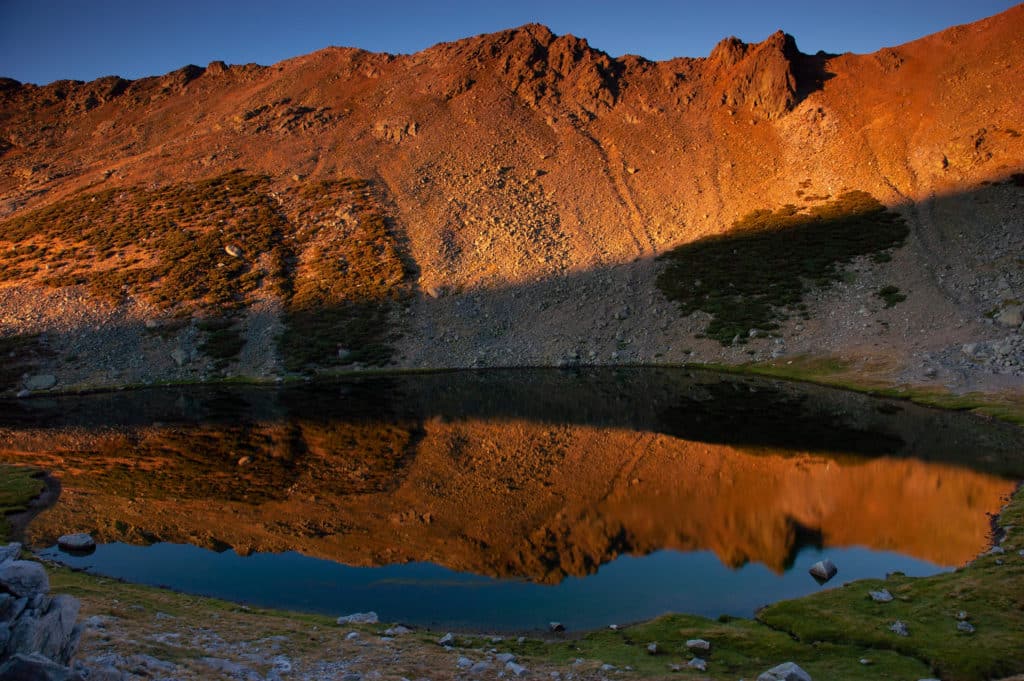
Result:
[{"x": 520, "y": 198}]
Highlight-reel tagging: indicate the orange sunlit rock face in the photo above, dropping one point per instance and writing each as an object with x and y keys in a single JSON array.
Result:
[{"x": 509, "y": 498}]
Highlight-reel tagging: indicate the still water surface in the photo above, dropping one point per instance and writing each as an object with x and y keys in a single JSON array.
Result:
[{"x": 503, "y": 500}]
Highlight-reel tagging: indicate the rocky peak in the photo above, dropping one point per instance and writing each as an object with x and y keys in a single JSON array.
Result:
[
  {"x": 758, "y": 76},
  {"x": 547, "y": 70}
]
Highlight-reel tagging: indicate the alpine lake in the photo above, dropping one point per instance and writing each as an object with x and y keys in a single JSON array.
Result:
[{"x": 503, "y": 500}]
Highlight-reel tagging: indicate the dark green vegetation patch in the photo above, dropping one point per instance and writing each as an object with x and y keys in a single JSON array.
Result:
[
  {"x": 758, "y": 273},
  {"x": 890, "y": 295},
  {"x": 18, "y": 486}
]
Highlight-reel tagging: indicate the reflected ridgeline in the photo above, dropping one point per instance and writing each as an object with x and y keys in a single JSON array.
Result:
[{"x": 534, "y": 474}]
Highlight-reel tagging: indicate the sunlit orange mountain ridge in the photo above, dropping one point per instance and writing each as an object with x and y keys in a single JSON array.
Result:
[{"x": 520, "y": 198}]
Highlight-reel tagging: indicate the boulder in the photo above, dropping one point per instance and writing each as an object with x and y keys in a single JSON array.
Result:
[
  {"x": 1010, "y": 316},
  {"x": 823, "y": 570},
  {"x": 24, "y": 578},
  {"x": 787, "y": 671},
  {"x": 23, "y": 667},
  {"x": 359, "y": 618},
  {"x": 48, "y": 630},
  {"x": 40, "y": 382},
  {"x": 698, "y": 644},
  {"x": 9, "y": 552},
  {"x": 556, "y": 627},
  {"x": 80, "y": 542}
]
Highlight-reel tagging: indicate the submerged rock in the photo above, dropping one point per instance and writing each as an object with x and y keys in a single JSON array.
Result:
[
  {"x": 823, "y": 570},
  {"x": 80, "y": 542},
  {"x": 40, "y": 382}
]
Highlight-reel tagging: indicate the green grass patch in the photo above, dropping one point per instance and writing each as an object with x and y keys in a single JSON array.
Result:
[
  {"x": 890, "y": 295},
  {"x": 840, "y": 373},
  {"x": 18, "y": 486},
  {"x": 992, "y": 595},
  {"x": 758, "y": 273}
]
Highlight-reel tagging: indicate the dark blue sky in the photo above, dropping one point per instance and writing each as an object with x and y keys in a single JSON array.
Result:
[{"x": 45, "y": 40}]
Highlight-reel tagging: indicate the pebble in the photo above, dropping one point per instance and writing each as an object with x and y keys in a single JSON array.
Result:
[
  {"x": 516, "y": 669},
  {"x": 899, "y": 628},
  {"x": 881, "y": 596},
  {"x": 698, "y": 664}
]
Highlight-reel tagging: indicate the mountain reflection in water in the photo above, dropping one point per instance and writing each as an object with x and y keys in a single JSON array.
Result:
[{"x": 538, "y": 475}]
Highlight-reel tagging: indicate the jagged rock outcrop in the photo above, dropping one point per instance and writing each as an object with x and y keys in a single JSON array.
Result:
[
  {"x": 38, "y": 632},
  {"x": 761, "y": 77}
]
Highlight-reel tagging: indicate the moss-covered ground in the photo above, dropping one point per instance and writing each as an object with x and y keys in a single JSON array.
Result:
[{"x": 18, "y": 486}]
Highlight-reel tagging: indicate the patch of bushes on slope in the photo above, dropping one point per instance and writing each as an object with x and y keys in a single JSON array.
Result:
[
  {"x": 165, "y": 244},
  {"x": 347, "y": 281},
  {"x": 757, "y": 274},
  {"x": 325, "y": 249}
]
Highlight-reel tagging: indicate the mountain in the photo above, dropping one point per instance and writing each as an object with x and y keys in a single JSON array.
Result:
[{"x": 521, "y": 198}]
